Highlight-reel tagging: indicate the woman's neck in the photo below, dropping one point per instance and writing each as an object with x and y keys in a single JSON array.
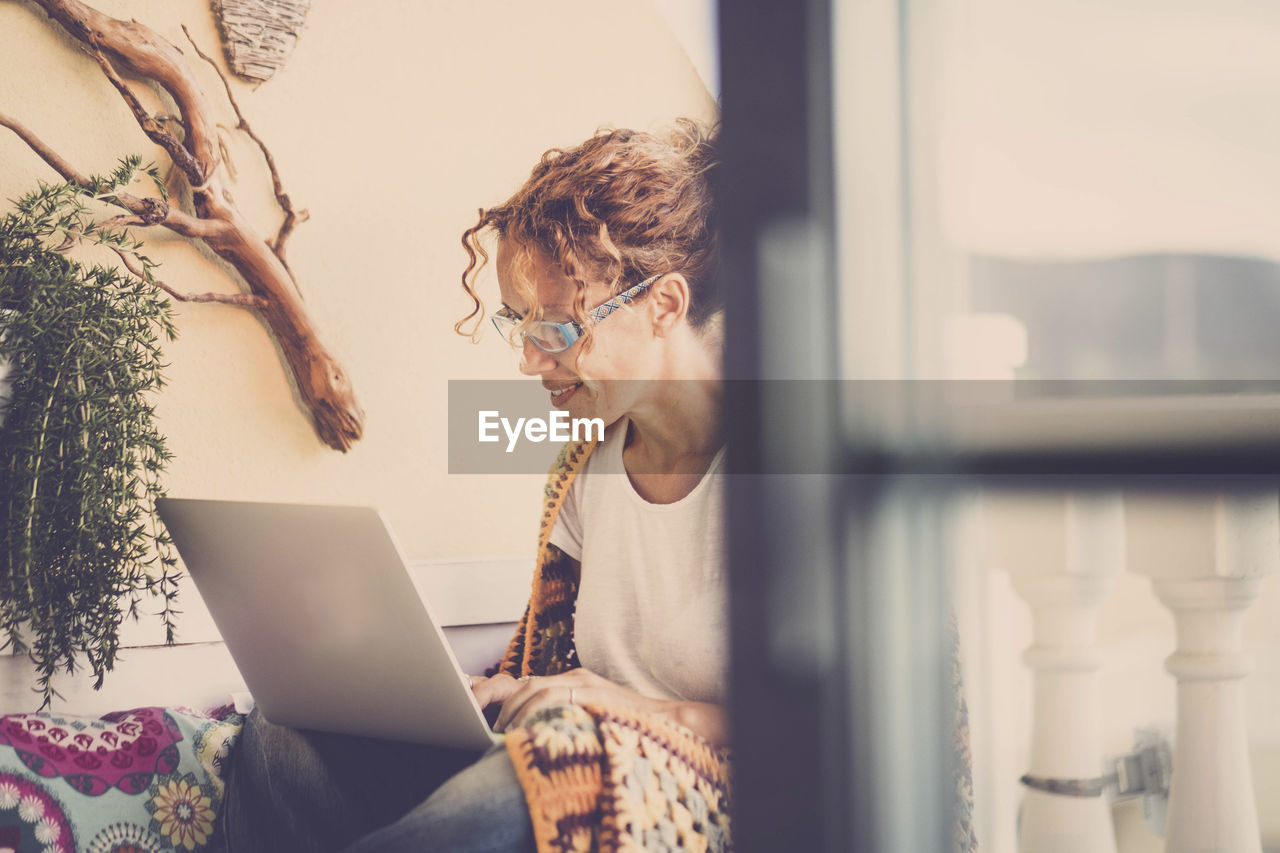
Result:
[
  {"x": 682, "y": 421},
  {"x": 677, "y": 430}
]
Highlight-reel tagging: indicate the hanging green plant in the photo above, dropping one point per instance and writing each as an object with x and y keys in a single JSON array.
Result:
[{"x": 81, "y": 457}]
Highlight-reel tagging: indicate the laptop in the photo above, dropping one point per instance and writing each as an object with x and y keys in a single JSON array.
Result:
[{"x": 324, "y": 621}]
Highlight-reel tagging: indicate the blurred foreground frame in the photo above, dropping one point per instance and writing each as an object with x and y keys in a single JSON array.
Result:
[
  {"x": 191, "y": 141},
  {"x": 842, "y": 702}
]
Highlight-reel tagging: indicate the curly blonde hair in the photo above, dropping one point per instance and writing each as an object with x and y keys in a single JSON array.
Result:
[{"x": 620, "y": 207}]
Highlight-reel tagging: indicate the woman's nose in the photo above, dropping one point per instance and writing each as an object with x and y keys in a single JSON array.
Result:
[{"x": 535, "y": 362}]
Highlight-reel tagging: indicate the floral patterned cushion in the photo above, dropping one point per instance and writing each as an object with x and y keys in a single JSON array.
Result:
[{"x": 136, "y": 781}]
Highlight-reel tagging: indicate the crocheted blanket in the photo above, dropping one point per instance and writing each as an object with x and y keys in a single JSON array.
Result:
[{"x": 607, "y": 779}]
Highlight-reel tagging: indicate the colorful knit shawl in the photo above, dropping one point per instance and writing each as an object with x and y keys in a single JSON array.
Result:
[{"x": 611, "y": 779}]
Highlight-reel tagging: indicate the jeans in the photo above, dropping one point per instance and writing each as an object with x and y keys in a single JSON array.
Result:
[
  {"x": 290, "y": 790},
  {"x": 479, "y": 810}
]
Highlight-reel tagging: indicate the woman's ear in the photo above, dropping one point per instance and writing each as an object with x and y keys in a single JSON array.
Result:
[{"x": 669, "y": 299}]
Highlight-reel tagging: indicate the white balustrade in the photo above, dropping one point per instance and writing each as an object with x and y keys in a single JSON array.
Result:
[
  {"x": 1063, "y": 551},
  {"x": 1205, "y": 554}
]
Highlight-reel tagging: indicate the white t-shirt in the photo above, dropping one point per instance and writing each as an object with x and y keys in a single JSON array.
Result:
[{"x": 652, "y": 602}]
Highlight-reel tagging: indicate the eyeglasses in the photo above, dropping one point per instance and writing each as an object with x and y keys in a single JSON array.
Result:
[{"x": 557, "y": 337}]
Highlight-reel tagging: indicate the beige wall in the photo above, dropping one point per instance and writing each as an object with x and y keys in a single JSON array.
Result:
[{"x": 392, "y": 123}]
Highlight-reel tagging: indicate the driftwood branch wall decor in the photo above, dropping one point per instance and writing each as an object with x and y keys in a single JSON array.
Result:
[
  {"x": 259, "y": 35},
  {"x": 214, "y": 219}
]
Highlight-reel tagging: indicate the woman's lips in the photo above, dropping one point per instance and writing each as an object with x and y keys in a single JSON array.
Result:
[{"x": 560, "y": 394}]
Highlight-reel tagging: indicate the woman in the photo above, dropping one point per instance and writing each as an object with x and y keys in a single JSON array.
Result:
[{"x": 611, "y": 693}]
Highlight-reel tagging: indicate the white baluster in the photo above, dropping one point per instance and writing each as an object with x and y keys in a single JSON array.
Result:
[
  {"x": 1063, "y": 551},
  {"x": 1206, "y": 554}
]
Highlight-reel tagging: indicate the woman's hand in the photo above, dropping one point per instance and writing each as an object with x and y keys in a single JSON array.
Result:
[
  {"x": 576, "y": 687},
  {"x": 521, "y": 697},
  {"x": 494, "y": 690}
]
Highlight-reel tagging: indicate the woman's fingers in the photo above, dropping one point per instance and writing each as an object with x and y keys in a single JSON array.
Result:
[
  {"x": 493, "y": 691},
  {"x": 513, "y": 703},
  {"x": 527, "y": 695},
  {"x": 532, "y": 695},
  {"x": 550, "y": 696}
]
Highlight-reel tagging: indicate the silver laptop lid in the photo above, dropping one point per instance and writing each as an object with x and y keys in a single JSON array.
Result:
[{"x": 319, "y": 612}]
